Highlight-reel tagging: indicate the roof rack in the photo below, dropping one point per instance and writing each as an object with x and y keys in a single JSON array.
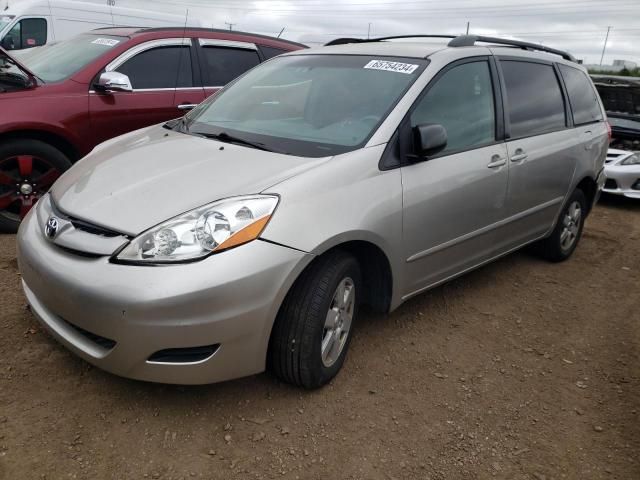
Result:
[
  {"x": 470, "y": 40},
  {"x": 465, "y": 41},
  {"x": 343, "y": 41}
]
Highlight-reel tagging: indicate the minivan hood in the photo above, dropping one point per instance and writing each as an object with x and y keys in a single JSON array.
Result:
[{"x": 143, "y": 178}]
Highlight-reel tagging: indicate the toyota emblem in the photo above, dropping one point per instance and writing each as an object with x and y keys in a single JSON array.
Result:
[{"x": 51, "y": 228}]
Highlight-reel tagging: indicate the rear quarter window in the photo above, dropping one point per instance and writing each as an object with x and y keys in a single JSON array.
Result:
[{"x": 582, "y": 96}]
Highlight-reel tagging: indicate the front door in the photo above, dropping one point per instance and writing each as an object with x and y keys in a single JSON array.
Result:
[
  {"x": 453, "y": 202},
  {"x": 164, "y": 87}
]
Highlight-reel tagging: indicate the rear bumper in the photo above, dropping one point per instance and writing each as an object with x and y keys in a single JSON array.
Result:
[{"x": 230, "y": 299}]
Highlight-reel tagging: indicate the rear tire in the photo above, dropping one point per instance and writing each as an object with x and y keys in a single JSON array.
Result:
[
  {"x": 28, "y": 168},
  {"x": 562, "y": 242},
  {"x": 312, "y": 332}
]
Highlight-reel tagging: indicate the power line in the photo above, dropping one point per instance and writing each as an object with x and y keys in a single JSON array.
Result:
[{"x": 526, "y": 10}]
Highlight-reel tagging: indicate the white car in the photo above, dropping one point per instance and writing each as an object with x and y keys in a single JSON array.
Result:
[{"x": 622, "y": 169}]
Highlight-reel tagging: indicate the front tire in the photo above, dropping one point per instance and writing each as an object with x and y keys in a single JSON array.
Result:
[
  {"x": 562, "y": 242},
  {"x": 312, "y": 332},
  {"x": 28, "y": 168}
]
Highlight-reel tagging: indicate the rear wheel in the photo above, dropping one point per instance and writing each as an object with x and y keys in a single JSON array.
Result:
[
  {"x": 28, "y": 168},
  {"x": 565, "y": 237},
  {"x": 313, "y": 330}
]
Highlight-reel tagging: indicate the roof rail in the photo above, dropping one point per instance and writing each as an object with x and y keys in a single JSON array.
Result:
[
  {"x": 470, "y": 40},
  {"x": 343, "y": 41},
  {"x": 463, "y": 41}
]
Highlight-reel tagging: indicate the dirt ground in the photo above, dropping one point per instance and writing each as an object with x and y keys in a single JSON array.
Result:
[{"x": 520, "y": 370}]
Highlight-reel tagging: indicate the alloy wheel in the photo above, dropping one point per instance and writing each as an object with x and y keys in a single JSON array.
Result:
[
  {"x": 570, "y": 225},
  {"x": 23, "y": 180},
  {"x": 338, "y": 322}
]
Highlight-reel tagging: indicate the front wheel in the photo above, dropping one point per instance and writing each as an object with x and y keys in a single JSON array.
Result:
[
  {"x": 314, "y": 327},
  {"x": 565, "y": 237},
  {"x": 28, "y": 168}
]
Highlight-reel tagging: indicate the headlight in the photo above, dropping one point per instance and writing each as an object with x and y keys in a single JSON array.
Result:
[
  {"x": 200, "y": 232},
  {"x": 632, "y": 160}
]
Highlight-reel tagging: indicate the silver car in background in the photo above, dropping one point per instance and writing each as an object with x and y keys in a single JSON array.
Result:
[
  {"x": 248, "y": 234},
  {"x": 622, "y": 169}
]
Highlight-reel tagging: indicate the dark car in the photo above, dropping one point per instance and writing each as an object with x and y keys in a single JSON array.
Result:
[
  {"x": 59, "y": 101},
  {"x": 621, "y": 99}
]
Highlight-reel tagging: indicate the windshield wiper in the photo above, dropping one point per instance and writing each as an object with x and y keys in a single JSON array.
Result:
[
  {"x": 177, "y": 124},
  {"x": 227, "y": 138}
]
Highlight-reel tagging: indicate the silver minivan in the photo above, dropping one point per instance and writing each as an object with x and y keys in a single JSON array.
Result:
[{"x": 248, "y": 234}]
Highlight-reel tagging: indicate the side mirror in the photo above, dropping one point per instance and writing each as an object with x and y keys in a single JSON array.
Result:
[
  {"x": 8, "y": 43},
  {"x": 429, "y": 139},
  {"x": 113, "y": 82}
]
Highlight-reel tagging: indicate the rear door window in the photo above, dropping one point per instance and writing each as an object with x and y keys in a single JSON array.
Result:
[
  {"x": 534, "y": 103},
  {"x": 223, "y": 64},
  {"x": 270, "y": 52},
  {"x": 160, "y": 67},
  {"x": 27, "y": 33},
  {"x": 582, "y": 96}
]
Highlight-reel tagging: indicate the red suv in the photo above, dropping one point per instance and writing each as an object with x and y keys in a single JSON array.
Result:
[{"x": 59, "y": 101}]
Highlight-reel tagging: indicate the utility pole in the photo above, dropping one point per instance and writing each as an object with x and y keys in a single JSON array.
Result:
[
  {"x": 468, "y": 28},
  {"x": 369, "y": 31},
  {"x": 230, "y": 25},
  {"x": 606, "y": 39}
]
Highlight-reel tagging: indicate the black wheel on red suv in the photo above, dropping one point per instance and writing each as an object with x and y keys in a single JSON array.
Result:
[{"x": 28, "y": 168}]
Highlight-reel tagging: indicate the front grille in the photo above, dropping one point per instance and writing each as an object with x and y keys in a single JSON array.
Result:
[
  {"x": 184, "y": 355},
  {"x": 93, "y": 229},
  {"x": 84, "y": 226},
  {"x": 611, "y": 184},
  {"x": 104, "y": 342}
]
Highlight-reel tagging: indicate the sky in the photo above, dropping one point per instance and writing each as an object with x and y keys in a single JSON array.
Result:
[{"x": 579, "y": 26}]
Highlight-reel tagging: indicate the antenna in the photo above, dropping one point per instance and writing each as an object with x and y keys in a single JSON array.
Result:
[
  {"x": 184, "y": 36},
  {"x": 281, "y": 32}
]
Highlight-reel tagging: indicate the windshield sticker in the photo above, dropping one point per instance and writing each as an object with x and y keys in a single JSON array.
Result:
[
  {"x": 397, "y": 67},
  {"x": 109, "y": 42}
]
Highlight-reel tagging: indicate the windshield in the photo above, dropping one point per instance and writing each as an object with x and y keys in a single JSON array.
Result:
[
  {"x": 5, "y": 20},
  {"x": 309, "y": 105},
  {"x": 57, "y": 61}
]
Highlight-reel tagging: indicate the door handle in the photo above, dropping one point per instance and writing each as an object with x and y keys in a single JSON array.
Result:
[
  {"x": 497, "y": 161},
  {"x": 187, "y": 106},
  {"x": 519, "y": 155},
  {"x": 587, "y": 137}
]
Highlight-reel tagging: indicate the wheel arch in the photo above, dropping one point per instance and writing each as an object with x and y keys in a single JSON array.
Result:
[
  {"x": 589, "y": 187},
  {"x": 56, "y": 140}
]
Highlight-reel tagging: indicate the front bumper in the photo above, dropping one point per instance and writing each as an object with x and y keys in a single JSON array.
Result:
[
  {"x": 625, "y": 177},
  {"x": 230, "y": 299}
]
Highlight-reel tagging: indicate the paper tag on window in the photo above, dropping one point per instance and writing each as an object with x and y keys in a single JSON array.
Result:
[
  {"x": 31, "y": 42},
  {"x": 397, "y": 67},
  {"x": 109, "y": 42}
]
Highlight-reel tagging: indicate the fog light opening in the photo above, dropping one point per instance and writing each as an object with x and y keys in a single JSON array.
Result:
[{"x": 181, "y": 356}]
